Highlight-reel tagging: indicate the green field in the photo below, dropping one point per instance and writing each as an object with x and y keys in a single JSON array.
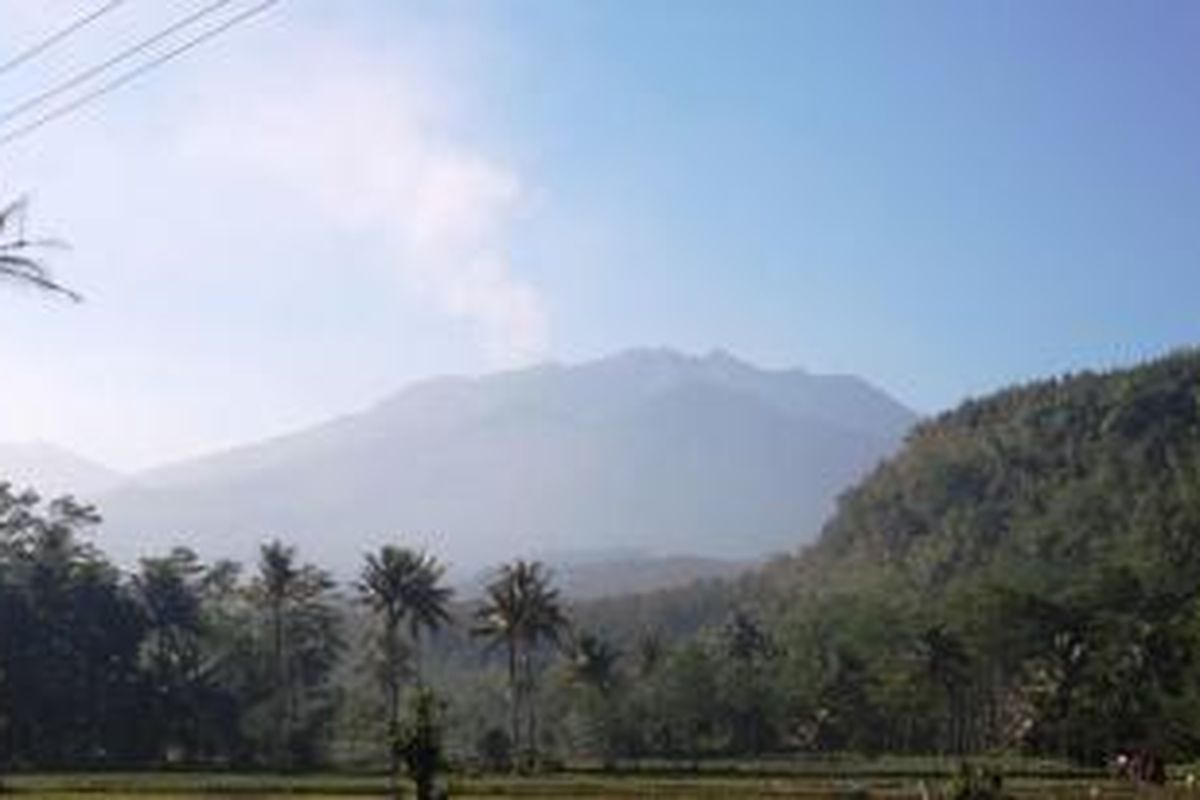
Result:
[{"x": 856, "y": 783}]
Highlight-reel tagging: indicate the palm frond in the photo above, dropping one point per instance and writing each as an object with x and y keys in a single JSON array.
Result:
[
  {"x": 13, "y": 214},
  {"x": 26, "y": 270},
  {"x": 15, "y": 263}
]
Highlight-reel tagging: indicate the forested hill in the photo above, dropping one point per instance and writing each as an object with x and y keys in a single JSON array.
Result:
[
  {"x": 1023, "y": 575},
  {"x": 1033, "y": 486}
]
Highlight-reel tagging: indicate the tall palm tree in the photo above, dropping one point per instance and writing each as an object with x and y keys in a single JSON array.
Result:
[
  {"x": 594, "y": 666},
  {"x": 277, "y": 578},
  {"x": 398, "y": 584},
  {"x": 293, "y": 597},
  {"x": 170, "y": 594},
  {"x": 16, "y": 263},
  {"x": 428, "y": 599},
  {"x": 521, "y": 610},
  {"x": 500, "y": 620}
]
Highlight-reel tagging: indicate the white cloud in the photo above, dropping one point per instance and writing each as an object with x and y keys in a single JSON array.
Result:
[
  {"x": 283, "y": 226},
  {"x": 352, "y": 139}
]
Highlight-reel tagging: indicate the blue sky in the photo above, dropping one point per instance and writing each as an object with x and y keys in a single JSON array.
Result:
[
  {"x": 343, "y": 197},
  {"x": 943, "y": 197}
]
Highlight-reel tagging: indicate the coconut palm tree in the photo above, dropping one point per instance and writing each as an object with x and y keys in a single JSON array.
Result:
[
  {"x": 294, "y": 600},
  {"x": 398, "y": 584},
  {"x": 169, "y": 592},
  {"x": 277, "y": 578},
  {"x": 16, "y": 263},
  {"x": 427, "y": 599},
  {"x": 594, "y": 667},
  {"x": 521, "y": 610},
  {"x": 594, "y": 663}
]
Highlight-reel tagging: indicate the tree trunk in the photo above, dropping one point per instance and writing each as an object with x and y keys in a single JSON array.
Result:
[
  {"x": 391, "y": 667},
  {"x": 418, "y": 672},
  {"x": 281, "y": 685},
  {"x": 515, "y": 706},
  {"x": 531, "y": 710}
]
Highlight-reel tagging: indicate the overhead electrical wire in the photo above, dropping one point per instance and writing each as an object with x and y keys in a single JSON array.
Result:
[
  {"x": 86, "y": 75},
  {"x": 130, "y": 75},
  {"x": 36, "y": 50}
]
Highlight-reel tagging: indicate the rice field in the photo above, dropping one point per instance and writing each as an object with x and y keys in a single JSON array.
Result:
[{"x": 858, "y": 784}]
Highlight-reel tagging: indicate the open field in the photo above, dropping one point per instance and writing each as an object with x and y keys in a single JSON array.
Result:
[{"x": 857, "y": 781}]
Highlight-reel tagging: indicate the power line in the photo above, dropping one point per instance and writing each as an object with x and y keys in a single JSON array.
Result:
[
  {"x": 133, "y": 74},
  {"x": 126, "y": 54},
  {"x": 36, "y": 50}
]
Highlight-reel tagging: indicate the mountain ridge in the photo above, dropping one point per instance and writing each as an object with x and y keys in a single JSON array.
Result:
[
  {"x": 672, "y": 453},
  {"x": 53, "y": 470}
]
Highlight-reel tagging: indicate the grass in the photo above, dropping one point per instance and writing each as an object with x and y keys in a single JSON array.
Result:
[{"x": 811, "y": 779}]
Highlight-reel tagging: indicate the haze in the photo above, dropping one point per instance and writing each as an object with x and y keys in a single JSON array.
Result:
[{"x": 338, "y": 199}]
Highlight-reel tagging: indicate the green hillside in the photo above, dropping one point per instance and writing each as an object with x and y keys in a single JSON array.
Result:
[
  {"x": 1038, "y": 484},
  {"x": 1022, "y": 576}
]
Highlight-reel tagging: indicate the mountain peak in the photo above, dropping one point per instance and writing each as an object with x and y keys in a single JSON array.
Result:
[
  {"x": 648, "y": 448},
  {"x": 719, "y": 355}
]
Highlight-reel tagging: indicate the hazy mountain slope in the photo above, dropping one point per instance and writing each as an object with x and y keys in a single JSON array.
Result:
[
  {"x": 54, "y": 471},
  {"x": 648, "y": 449}
]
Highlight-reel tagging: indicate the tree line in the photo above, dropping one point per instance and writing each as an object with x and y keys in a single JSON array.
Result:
[
  {"x": 186, "y": 662},
  {"x": 181, "y": 662},
  {"x": 1023, "y": 577}
]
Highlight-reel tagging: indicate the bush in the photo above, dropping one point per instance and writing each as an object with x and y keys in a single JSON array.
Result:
[{"x": 494, "y": 749}]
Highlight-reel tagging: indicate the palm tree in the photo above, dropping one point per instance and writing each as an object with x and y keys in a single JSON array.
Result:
[
  {"x": 427, "y": 599},
  {"x": 15, "y": 262},
  {"x": 170, "y": 594},
  {"x": 594, "y": 666},
  {"x": 521, "y": 610},
  {"x": 293, "y": 598},
  {"x": 398, "y": 583},
  {"x": 277, "y": 578},
  {"x": 594, "y": 663}
]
